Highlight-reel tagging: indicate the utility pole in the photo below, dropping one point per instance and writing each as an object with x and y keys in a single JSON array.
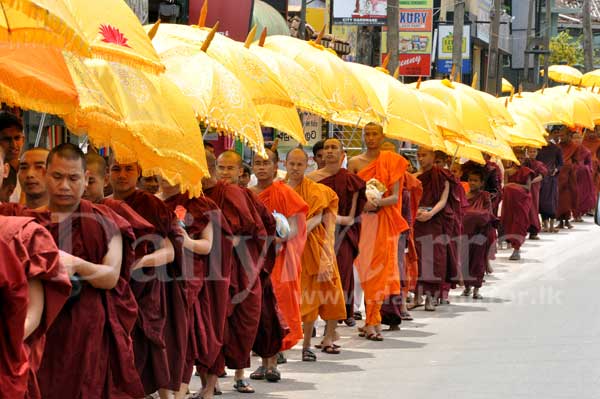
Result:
[
  {"x": 493, "y": 79},
  {"x": 547, "y": 40},
  {"x": 588, "y": 47},
  {"x": 457, "y": 37},
  {"x": 393, "y": 36},
  {"x": 302, "y": 27}
]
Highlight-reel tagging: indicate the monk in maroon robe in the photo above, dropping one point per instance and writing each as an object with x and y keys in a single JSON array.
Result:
[
  {"x": 516, "y": 206},
  {"x": 592, "y": 143},
  {"x": 586, "y": 193},
  {"x": 350, "y": 190},
  {"x": 88, "y": 350},
  {"x": 160, "y": 333},
  {"x": 567, "y": 180},
  {"x": 551, "y": 156},
  {"x": 478, "y": 222},
  {"x": 529, "y": 159}
]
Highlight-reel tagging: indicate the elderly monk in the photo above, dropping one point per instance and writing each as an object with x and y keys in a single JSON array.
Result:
[
  {"x": 279, "y": 197},
  {"x": 438, "y": 217},
  {"x": 160, "y": 365},
  {"x": 516, "y": 205},
  {"x": 551, "y": 156},
  {"x": 47, "y": 285},
  {"x": 528, "y": 158},
  {"x": 586, "y": 193},
  {"x": 350, "y": 190},
  {"x": 567, "y": 180},
  {"x": 207, "y": 289},
  {"x": 31, "y": 175},
  {"x": 272, "y": 328},
  {"x": 245, "y": 299},
  {"x": 382, "y": 224},
  {"x": 322, "y": 293},
  {"x": 478, "y": 224},
  {"x": 94, "y": 324}
]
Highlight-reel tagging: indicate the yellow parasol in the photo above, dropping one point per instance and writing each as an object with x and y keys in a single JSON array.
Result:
[
  {"x": 591, "y": 79},
  {"x": 564, "y": 74},
  {"x": 344, "y": 94},
  {"x": 403, "y": 113},
  {"x": 302, "y": 87},
  {"x": 464, "y": 151},
  {"x": 573, "y": 104},
  {"x": 507, "y": 87},
  {"x": 528, "y": 104},
  {"x": 36, "y": 79},
  {"x": 275, "y": 107},
  {"x": 143, "y": 117},
  {"x": 217, "y": 96},
  {"x": 527, "y": 131},
  {"x": 590, "y": 99}
]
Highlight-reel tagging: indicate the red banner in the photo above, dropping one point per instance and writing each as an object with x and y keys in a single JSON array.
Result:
[
  {"x": 415, "y": 64},
  {"x": 234, "y": 16}
]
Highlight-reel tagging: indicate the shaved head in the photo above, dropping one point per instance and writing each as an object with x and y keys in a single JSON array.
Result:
[
  {"x": 96, "y": 163},
  {"x": 229, "y": 167},
  {"x": 297, "y": 151},
  {"x": 231, "y": 155}
]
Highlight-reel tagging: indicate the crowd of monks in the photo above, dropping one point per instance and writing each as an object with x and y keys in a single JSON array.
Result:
[{"x": 117, "y": 285}]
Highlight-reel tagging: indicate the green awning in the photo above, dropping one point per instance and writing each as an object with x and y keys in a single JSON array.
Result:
[{"x": 266, "y": 16}]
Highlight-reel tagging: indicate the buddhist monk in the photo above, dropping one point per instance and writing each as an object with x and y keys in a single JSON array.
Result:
[
  {"x": 516, "y": 205},
  {"x": 154, "y": 354},
  {"x": 322, "y": 293},
  {"x": 350, "y": 190},
  {"x": 245, "y": 301},
  {"x": 31, "y": 175},
  {"x": 150, "y": 183},
  {"x": 279, "y": 198},
  {"x": 567, "y": 180},
  {"x": 493, "y": 181},
  {"x": 586, "y": 193},
  {"x": 592, "y": 142},
  {"x": 528, "y": 158},
  {"x": 88, "y": 352},
  {"x": 550, "y": 155},
  {"x": 318, "y": 151},
  {"x": 438, "y": 216},
  {"x": 244, "y": 179},
  {"x": 478, "y": 223},
  {"x": 381, "y": 226},
  {"x": 11, "y": 141}
]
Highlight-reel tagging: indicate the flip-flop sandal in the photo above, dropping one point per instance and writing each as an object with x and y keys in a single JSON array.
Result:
[
  {"x": 415, "y": 305},
  {"x": 330, "y": 350},
  {"x": 273, "y": 375},
  {"x": 362, "y": 332},
  {"x": 217, "y": 392},
  {"x": 308, "y": 355},
  {"x": 405, "y": 316},
  {"x": 281, "y": 358},
  {"x": 375, "y": 337},
  {"x": 243, "y": 386},
  {"x": 259, "y": 374},
  {"x": 320, "y": 346}
]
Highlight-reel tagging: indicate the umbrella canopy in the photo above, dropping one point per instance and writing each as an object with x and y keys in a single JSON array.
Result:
[
  {"x": 564, "y": 74},
  {"x": 443, "y": 117},
  {"x": 527, "y": 131},
  {"x": 463, "y": 151},
  {"x": 591, "y": 79},
  {"x": 36, "y": 79},
  {"x": 403, "y": 114},
  {"x": 592, "y": 100},
  {"x": 507, "y": 87},
  {"x": 529, "y": 104},
  {"x": 343, "y": 92},
  {"x": 143, "y": 117},
  {"x": 217, "y": 96},
  {"x": 574, "y": 105},
  {"x": 275, "y": 107},
  {"x": 107, "y": 29}
]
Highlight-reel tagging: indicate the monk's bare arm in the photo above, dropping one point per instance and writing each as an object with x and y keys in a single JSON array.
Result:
[
  {"x": 537, "y": 179},
  {"x": 202, "y": 245},
  {"x": 314, "y": 222},
  {"x": 35, "y": 307},
  {"x": 424, "y": 216},
  {"x": 349, "y": 220},
  {"x": 103, "y": 276},
  {"x": 165, "y": 254},
  {"x": 354, "y": 164},
  {"x": 392, "y": 199}
]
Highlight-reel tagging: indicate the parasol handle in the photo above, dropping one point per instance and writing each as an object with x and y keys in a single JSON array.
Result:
[{"x": 38, "y": 137}]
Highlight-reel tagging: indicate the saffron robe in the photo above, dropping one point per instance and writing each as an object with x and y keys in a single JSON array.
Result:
[
  {"x": 478, "y": 221},
  {"x": 320, "y": 297},
  {"x": 551, "y": 156},
  {"x": 377, "y": 261},
  {"x": 345, "y": 184},
  {"x": 516, "y": 207},
  {"x": 279, "y": 197}
]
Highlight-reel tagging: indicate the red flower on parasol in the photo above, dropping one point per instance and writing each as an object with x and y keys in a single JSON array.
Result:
[{"x": 113, "y": 35}]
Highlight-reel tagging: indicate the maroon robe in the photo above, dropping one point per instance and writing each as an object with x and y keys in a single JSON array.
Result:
[
  {"x": 14, "y": 364},
  {"x": 586, "y": 193},
  {"x": 478, "y": 225},
  {"x": 594, "y": 146},
  {"x": 245, "y": 290},
  {"x": 516, "y": 207},
  {"x": 346, "y": 184},
  {"x": 39, "y": 256},
  {"x": 207, "y": 279},
  {"x": 436, "y": 238},
  {"x": 567, "y": 183},
  {"x": 160, "y": 335},
  {"x": 540, "y": 169},
  {"x": 89, "y": 352}
]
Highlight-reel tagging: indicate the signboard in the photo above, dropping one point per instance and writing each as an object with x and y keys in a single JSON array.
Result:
[
  {"x": 360, "y": 12},
  {"x": 415, "y": 43},
  {"x": 234, "y": 16},
  {"x": 446, "y": 45},
  {"x": 416, "y": 4},
  {"x": 415, "y": 20},
  {"x": 312, "y": 125},
  {"x": 415, "y": 64}
]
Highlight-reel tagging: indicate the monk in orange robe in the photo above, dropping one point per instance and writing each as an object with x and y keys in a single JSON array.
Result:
[
  {"x": 279, "y": 198},
  {"x": 382, "y": 224},
  {"x": 322, "y": 293}
]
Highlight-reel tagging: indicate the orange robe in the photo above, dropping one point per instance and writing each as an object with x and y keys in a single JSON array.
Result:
[
  {"x": 377, "y": 262},
  {"x": 281, "y": 198},
  {"x": 411, "y": 259},
  {"x": 320, "y": 297}
]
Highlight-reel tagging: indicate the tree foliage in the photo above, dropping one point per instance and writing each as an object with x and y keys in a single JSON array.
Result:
[{"x": 566, "y": 49}]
